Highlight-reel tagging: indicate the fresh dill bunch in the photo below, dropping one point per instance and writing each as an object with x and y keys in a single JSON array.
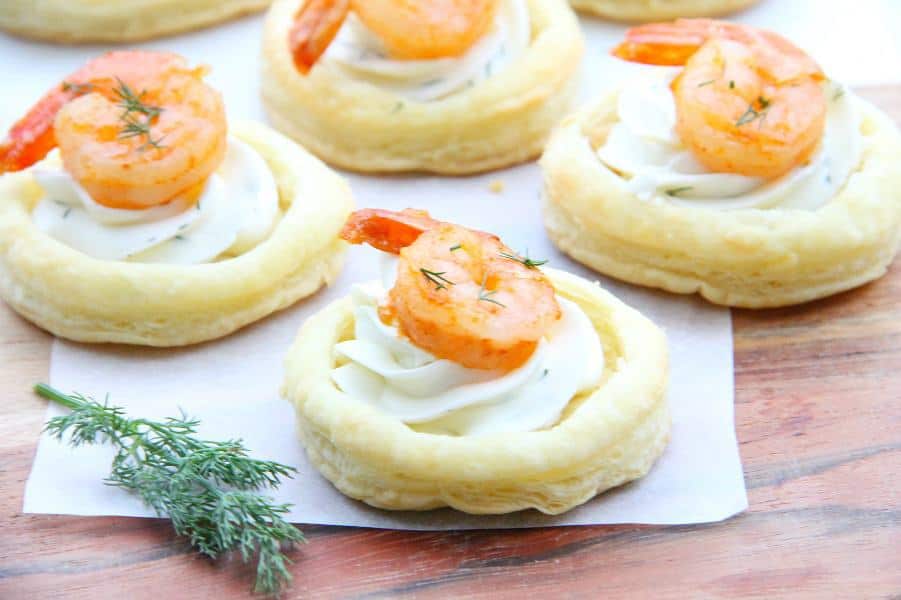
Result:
[{"x": 207, "y": 488}]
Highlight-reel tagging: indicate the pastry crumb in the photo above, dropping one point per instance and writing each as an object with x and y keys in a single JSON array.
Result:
[{"x": 496, "y": 186}]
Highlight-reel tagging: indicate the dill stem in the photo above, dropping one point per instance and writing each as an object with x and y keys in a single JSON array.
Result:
[{"x": 51, "y": 393}]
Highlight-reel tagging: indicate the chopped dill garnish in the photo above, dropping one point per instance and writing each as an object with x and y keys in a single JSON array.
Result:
[
  {"x": 397, "y": 107},
  {"x": 486, "y": 296},
  {"x": 78, "y": 88},
  {"x": 706, "y": 83},
  {"x": 674, "y": 192},
  {"x": 457, "y": 247},
  {"x": 838, "y": 94},
  {"x": 528, "y": 262},
  {"x": 752, "y": 113},
  {"x": 133, "y": 103},
  {"x": 437, "y": 278},
  {"x": 731, "y": 84},
  {"x": 133, "y": 127},
  {"x": 133, "y": 106}
]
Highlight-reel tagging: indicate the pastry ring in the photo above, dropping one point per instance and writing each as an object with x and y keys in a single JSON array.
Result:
[
  {"x": 497, "y": 122},
  {"x": 745, "y": 258},
  {"x": 659, "y": 10},
  {"x": 81, "y": 21},
  {"x": 81, "y": 298},
  {"x": 605, "y": 438}
]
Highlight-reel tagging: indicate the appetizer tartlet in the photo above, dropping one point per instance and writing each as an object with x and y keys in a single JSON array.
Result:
[
  {"x": 737, "y": 171},
  {"x": 130, "y": 213},
  {"x": 84, "y": 21},
  {"x": 471, "y": 378},
  {"x": 441, "y": 86},
  {"x": 659, "y": 10}
]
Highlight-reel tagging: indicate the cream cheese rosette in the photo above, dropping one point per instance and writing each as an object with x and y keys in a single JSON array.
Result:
[
  {"x": 150, "y": 224},
  {"x": 658, "y": 10},
  {"x": 388, "y": 86},
  {"x": 488, "y": 385},
  {"x": 745, "y": 175},
  {"x": 89, "y": 21}
]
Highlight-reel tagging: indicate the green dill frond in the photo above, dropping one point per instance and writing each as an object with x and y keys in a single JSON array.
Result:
[
  {"x": 207, "y": 488},
  {"x": 486, "y": 296},
  {"x": 437, "y": 278},
  {"x": 528, "y": 262}
]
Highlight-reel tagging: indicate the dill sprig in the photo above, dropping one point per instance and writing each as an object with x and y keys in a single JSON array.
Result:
[
  {"x": 133, "y": 108},
  {"x": 437, "y": 278},
  {"x": 205, "y": 487},
  {"x": 752, "y": 113},
  {"x": 528, "y": 262},
  {"x": 78, "y": 88},
  {"x": 486, "y": 296},
  {"x": 674, "y": 192}
]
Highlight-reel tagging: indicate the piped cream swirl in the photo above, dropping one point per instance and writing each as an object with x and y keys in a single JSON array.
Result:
[
  {"x": 362, "y": 55},
  {"x": 645, "y": 150},
  {"x": 236, "y": 210},
  {"x": 386, "y": 370}
]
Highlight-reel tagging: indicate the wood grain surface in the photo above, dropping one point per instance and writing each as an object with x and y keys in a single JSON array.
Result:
[{"x": 818, "y": 399}]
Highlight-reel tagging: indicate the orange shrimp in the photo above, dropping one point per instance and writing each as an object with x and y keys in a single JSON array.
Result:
[
  {"x": 134, "y": 128},
  {"x": 460, "y": 294},
  {"x": 748, "y": 101},
  {"x": 410, "y": 29}
]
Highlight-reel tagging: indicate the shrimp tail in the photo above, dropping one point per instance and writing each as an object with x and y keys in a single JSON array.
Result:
[
  {"x": 387, "y": 230},
  {"x": 315, "y": 26},
  {"x": 32, "y": 138},
  {"x": 665, "y": 44}
]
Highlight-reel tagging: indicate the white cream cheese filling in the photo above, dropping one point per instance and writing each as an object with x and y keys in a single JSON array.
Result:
[
  {"x": 387, "y": 371},
  {"x": 645, "y": 150},
  {"x": 236, "y": 210},
  {"x": 360, "y": 53}
]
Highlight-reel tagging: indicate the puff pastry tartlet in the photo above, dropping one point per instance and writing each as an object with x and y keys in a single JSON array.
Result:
[
  {"x": 445, "y": 416},
  {"x": 94, "y": 259},
  {"x": 632, "y": 191},
  {"x": 420, "y": 102},
  {"x": 659, "y": 10},
  {"x": 83, "y": 21}
]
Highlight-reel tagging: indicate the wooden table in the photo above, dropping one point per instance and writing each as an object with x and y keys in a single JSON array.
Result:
[{"x": 818, "y": 410}]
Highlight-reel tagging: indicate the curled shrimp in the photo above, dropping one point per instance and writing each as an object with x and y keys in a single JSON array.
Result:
[
  {"x": 460, "y": 294},
  {"x": 748, "y": 101},
  {"x": 134, "y": 128},
  {"x": 409, "y": 29}
]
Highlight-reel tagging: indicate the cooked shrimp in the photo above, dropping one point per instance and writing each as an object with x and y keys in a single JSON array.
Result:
[
  {"x": 134, "y": 128},
  {"x": 460, "y": 294},
  {"x": 748, "y": 101},
  {"x": 409, "y": 29}
]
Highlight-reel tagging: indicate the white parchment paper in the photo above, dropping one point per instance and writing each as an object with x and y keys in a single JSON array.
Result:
[{"x": 232, "y": 384}]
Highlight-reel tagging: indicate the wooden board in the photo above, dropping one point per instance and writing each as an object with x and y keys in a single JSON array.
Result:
[{"x": 818, "y": 399}]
